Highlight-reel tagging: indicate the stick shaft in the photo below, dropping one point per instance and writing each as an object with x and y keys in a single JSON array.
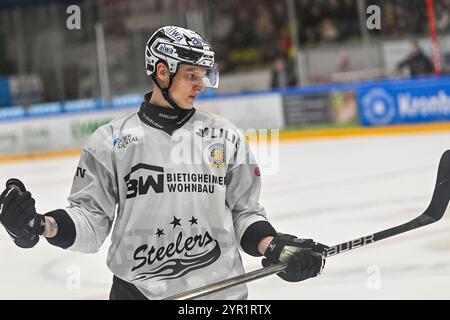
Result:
[
  {"x": 244, "y": 278},
  {"x": 420, "y": 221}
]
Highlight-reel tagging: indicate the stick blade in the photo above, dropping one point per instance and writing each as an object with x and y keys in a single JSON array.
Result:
[{"x": 441, "y": 194}]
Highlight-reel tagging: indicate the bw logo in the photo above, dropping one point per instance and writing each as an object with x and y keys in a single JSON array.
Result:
[{"x": 142, "y": 184}]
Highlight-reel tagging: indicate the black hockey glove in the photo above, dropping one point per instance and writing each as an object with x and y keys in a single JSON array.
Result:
[
  {"x": 305, "y": 257},
  {"x": 18, "y": 215}
]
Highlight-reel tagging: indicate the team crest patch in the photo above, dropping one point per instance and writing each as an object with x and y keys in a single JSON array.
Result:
[{"x": 217, "y": 155}]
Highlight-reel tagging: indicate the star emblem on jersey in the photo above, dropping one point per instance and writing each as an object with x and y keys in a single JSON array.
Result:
[
  {"x": 176, "y": 222},
  {"x": 193, "y": 221},
  {"x": 160, "y": 232}
]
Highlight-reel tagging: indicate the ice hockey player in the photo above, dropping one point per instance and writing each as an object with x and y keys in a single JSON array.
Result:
[{"x": 179, "y": 185}]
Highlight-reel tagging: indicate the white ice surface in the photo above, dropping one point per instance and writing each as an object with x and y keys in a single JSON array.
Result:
[{"x": 329, "y": 190}]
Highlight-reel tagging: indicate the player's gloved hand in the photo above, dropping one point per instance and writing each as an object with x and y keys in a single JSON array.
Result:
[
  {"x": 305, "y": 258},
  {"x": 18, "y": 215}
]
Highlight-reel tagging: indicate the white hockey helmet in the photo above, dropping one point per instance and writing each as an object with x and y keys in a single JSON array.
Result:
[{"x": 174, "y": 46}]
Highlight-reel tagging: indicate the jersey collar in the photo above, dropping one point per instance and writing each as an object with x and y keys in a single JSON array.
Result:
[{"x": 165, "y": 119}]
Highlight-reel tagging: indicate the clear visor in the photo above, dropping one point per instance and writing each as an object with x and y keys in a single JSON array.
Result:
[{"x": 211, "y": 77}]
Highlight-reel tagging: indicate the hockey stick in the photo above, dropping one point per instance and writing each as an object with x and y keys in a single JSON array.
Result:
[{"x": 433, "y": 213}]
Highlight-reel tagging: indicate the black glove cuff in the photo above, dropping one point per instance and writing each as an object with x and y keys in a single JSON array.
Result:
[
  {"x": 253, "y": 235},
  {"x": 65, "y": 237}
]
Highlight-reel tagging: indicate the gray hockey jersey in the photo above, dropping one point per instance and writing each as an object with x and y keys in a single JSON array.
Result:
[{"x": 177, "y": 201}]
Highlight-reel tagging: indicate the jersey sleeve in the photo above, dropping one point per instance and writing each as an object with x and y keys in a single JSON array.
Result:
[
  {"x": 243, "y": 184},
  {"x": 93, "y": 196}
]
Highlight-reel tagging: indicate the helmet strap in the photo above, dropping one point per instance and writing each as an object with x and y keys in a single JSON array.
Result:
[{"x": 165, "y": 93}]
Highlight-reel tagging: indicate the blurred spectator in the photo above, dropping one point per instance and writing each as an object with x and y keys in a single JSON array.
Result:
[
  {"x": 264, "y": 26},
  {"x": 349, "y": 21},
  {"x": 389, "y": 20},
  {"x": 417, "y": 62},
  {"x": 283, "y": 73},
  {"x": 279, "y": 14},
  {"x": 443, "y": 15},
  {"x": 328, "y": 31}
]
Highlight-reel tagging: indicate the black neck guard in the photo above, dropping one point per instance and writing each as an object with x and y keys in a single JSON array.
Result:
[{"x": 165, "y": 119}]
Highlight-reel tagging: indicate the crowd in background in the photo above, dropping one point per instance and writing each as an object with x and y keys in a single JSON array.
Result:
[
  {"x": 246, "y": 35},
  {"x": 251, "y": 34}
]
